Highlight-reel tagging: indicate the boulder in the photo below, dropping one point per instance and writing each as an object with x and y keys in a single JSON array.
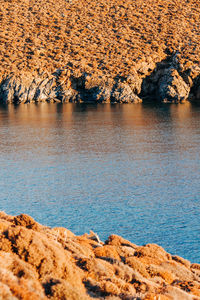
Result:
[
  {"x": 37, "y": 262},
  {"x": 172, "y": 87},
  {"x": 123, "y": 93}
]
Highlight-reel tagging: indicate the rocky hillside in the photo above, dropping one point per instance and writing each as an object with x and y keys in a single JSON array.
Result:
[
  {"x": 104, "y": 51},
  {"x": 38, "y": 262}
]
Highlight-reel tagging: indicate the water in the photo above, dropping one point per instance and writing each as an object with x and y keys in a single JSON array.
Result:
[{"x": 132, "y": 170}]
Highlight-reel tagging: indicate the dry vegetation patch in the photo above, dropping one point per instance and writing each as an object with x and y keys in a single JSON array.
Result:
[
  {"x": 37, "y": 262},
  {"x": 106, "y": 39}
]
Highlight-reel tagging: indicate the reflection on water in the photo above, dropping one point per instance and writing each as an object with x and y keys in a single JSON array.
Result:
[{"x": 132, "y": 170}]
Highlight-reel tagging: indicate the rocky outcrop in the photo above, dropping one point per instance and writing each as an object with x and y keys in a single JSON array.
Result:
[
  {"x": 165, "y": 83},
  {"x": 38, "y": 262},
  {"x": 169, "y": 82},
  {"x": 99, "y": 51}
]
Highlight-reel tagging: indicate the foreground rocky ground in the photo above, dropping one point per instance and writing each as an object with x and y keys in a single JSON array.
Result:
[
  {"x": 37, "y": 262},
  {"x": 102, "y": 51}
]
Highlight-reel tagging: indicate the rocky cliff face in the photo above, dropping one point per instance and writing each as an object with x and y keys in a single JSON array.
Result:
[
  {"x": 102, "y": 51},
  {"x": 37, "y": 262}
]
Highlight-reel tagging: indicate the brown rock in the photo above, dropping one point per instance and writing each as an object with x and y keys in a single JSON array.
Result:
[
  {"x": 27, "y": 221},
  {"x": 37, "y": 262},
  {"x": 179, "y": 271},
  {"x": 137, "y": 265},
  {"x": 195, "y": 266},
  {"x": 13, "y": 287},
  {"x": 182, "y": 261},
  {"x": 4, "y": 224},
  {"x": 152, "y": 253},
  {"x": 107, "y": 251},
  {"x": 62, "y": 233},
  {"x": 44, "y": 255},
  {"x": 117, "y": 240}
]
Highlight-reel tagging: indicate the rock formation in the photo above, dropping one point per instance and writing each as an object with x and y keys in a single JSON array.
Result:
[
  {"x": 99, "y": 51},
  {"x": 38, "y": 262}
]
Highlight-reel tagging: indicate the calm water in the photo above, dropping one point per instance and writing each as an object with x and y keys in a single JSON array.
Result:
[{"x": 132, "y": 170}]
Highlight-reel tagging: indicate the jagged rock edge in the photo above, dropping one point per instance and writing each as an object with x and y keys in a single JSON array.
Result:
[{"x": 163, "y": 82}]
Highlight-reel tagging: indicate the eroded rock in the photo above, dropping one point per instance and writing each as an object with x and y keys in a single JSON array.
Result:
[
  {"x": 172, "y": 87},
  {"x": 37, "y": 262}
]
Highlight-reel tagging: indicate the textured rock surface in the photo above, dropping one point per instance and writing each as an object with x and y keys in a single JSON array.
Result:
[
  {"x": 37, "y": 262},
  {"x": 104, "y": 51}
]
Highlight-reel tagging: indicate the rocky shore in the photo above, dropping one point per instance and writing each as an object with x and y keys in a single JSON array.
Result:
[
  {"x": 99, "y": 51},
  {"x": 38, "y": 262}
]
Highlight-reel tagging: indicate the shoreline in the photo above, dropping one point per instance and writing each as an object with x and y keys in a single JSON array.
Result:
[
  {"x": 38, "y": 262},
  {"x": 164, "y": 82},
  {"x": 120, "y": 51}
]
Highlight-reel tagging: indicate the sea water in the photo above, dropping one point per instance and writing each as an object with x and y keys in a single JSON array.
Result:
[{"x": 131, "y": 170}]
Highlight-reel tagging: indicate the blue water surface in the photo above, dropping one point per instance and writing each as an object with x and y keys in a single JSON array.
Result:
[{"x": 132, "y": 170}]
